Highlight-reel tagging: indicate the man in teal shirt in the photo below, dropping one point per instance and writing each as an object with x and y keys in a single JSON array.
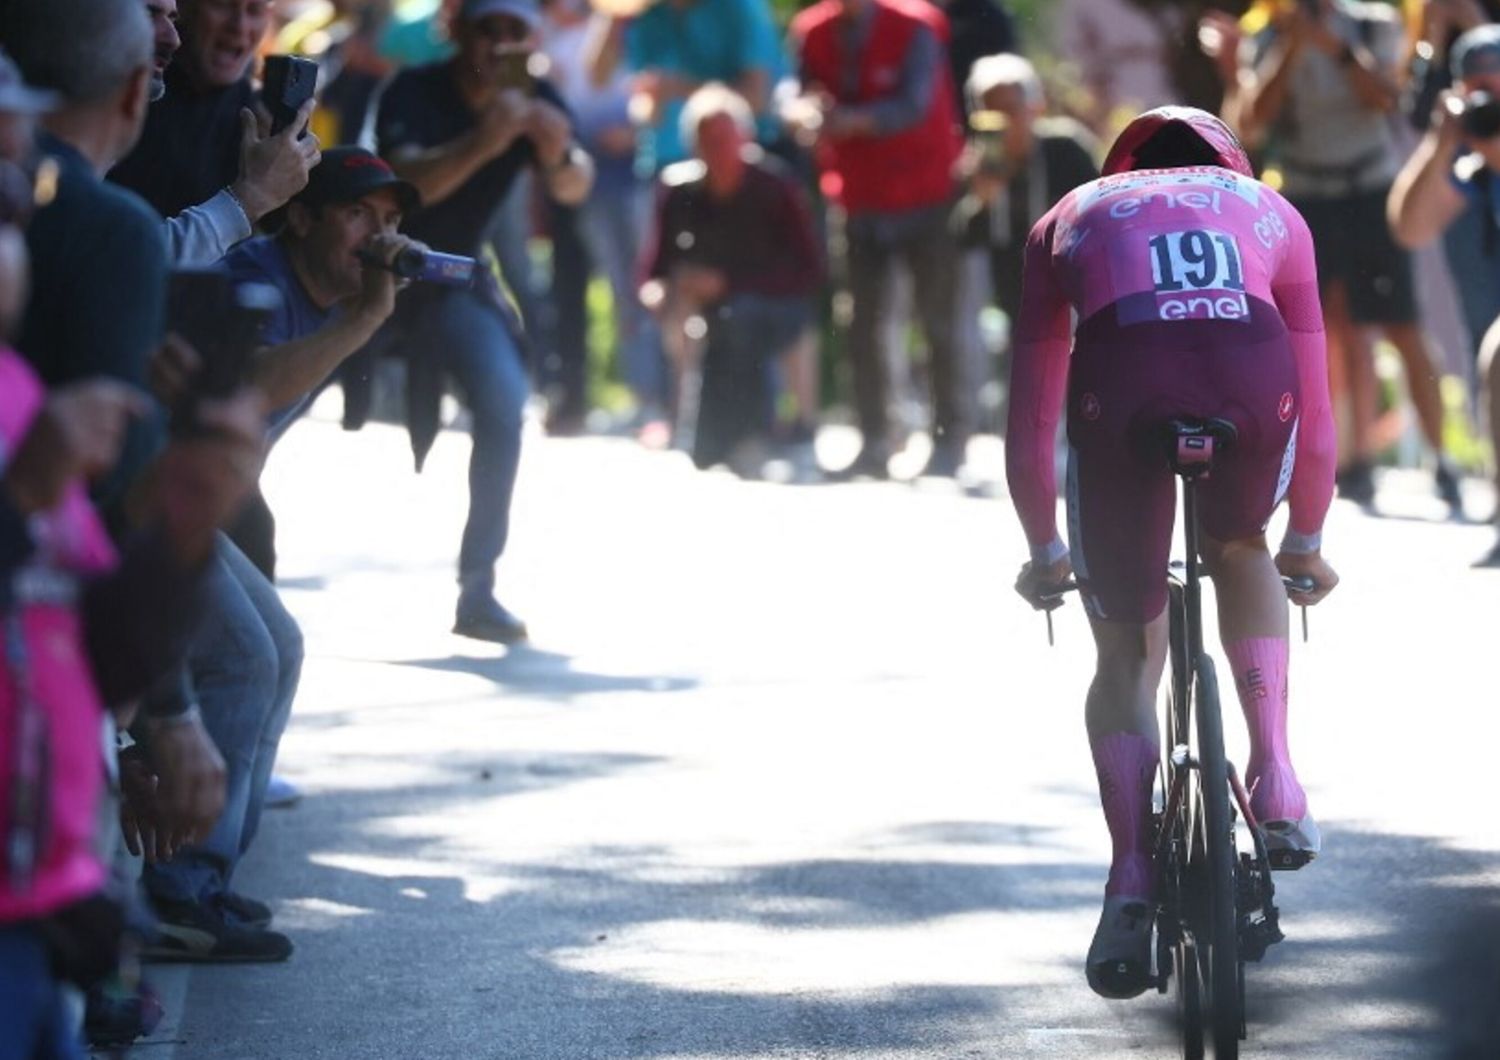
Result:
[{"x": 676, "y": 47}]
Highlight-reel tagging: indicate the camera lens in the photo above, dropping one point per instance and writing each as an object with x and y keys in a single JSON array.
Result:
[
  {"x": 1481, "y": 116},
  {"x": 409, "y": 263}
]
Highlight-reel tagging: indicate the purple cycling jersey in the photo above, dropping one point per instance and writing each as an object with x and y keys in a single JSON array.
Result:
[{"x": 1201, "y": 246}]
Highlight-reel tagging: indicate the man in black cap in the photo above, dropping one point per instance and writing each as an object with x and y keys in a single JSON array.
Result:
[
  {"x": 333, "y": 297},
  {"x": 246, "y": 661},
  {"x": 461, "y": 131}
]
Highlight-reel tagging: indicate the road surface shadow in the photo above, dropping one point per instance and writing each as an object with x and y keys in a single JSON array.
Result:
[
  {"x": 548, "y": 675},
  {"x": 472, "y": 949}
]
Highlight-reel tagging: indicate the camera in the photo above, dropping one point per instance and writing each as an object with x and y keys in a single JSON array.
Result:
[
  {"x": 223, "y": 319},
  {"x": 1479, "y": 117},
  {"x": 427, "y": 266},
  {"x": 988, "y": 128},
  {"x": 516, "y": 69}
]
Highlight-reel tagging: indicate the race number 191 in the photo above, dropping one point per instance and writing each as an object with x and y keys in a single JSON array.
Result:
[{"x": 1197, "y": 260}]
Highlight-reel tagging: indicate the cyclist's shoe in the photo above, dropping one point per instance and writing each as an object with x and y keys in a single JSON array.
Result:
[
  {"x": 1280, "y": 808},
  {"x": 1291, "y": 844},
  {"x": 1119, "y": 961}
]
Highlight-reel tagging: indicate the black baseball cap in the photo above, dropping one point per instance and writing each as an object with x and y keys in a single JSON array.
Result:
[
  {"x": 526, "y": 11},
  {"x": 1476, "y": 52},
  {"x": 345, "y": 174}
]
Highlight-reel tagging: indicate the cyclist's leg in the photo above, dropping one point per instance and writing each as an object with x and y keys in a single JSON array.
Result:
[
  {"x": 1120, "y": 528},
  {"x": 1122, "y": 725},
  {"x": 1253, "y": 629}
]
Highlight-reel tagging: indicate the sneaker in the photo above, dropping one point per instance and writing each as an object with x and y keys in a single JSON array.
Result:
[
  {"x": 116, "y": 1013},
  {"x": 195, "y": 932},
  {"x": 281, "y": 793},
  {"x": 1445, "y": 482},
  {"x": 1119, "y": 961},
  {"x": 482, "y": 617},
  {"x": 1490, "y": 558},
  {"x": 946, "y": 461},
  {"x": 246, "y": 910},
  {"x": 1357, "y": 483},
  {"x": 872, "y": 462}
]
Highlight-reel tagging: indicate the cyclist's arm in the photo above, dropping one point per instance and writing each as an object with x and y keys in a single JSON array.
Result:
[
  {"x": 1295, "y": 288},
  {"x": 1038, "y": 382}
]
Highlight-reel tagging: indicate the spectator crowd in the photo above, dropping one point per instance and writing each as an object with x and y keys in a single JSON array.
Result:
[{"x": 705, "y": 222}]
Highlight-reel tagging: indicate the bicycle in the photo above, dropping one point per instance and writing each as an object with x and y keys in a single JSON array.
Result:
[{"x": 1215, "y": 906}]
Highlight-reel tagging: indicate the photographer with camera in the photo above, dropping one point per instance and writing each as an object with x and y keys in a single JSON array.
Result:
[
  {"x": 1455, "y": 173},
  {"x": 1017, "y": 164},
  {"x": 461, "y": 131},
  {"x": 1318, "y": 89},
  {"x": 335, "y": 265}
]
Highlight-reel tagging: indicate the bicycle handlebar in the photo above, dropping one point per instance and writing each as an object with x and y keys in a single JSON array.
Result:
[{"x": 1048, "y": 598}]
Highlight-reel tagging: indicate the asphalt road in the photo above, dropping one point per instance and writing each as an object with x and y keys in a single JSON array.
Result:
[{"x": 787, "y": 771}]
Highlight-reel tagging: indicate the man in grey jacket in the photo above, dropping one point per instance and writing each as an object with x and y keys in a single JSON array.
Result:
[{"x": 271, "y": 169}]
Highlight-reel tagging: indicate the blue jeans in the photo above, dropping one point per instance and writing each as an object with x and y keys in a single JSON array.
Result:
[
  {"x": 1476, "y": 274},
  {"x": 746, "y": 335},
  {"x": 614, "y": 222},
  {"x": 479, "y": 352},
  {"x": 35, "y": 1021},
  {"x": 509, "y": 236},
  {"x": 244, "y": 666}
]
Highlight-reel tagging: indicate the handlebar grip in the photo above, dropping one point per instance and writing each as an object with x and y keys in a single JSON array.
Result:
[{"x": 1050, "y": 597}]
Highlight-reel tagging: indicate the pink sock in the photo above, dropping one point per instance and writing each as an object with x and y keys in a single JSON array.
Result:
[
  {"x": 1126, "y": 764},
  {"x": 1260, "y": 668}
]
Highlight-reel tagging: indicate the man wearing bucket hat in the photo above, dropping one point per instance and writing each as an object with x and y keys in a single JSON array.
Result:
[
  {"x": 1454, "y": 175},
  {"x": 462, "y": 131}
]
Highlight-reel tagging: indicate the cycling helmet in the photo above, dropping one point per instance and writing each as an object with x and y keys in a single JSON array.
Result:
[{"x": 1197, "y": 131}]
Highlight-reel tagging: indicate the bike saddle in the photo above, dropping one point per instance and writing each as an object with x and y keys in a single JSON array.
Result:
[{"x": 1192, "y": 443}]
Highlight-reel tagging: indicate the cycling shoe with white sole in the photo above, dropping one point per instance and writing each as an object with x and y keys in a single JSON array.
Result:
[{"x": 1119, "y": 961}]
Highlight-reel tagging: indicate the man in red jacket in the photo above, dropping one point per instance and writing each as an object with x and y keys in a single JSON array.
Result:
[{"x": 880, "y": 105}]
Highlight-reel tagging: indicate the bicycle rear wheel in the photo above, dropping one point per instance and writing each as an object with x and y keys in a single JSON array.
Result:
[
  {"x": 1179, "y": 874},
  {"x": 1219, "y": 940},
  {"x": 1187, "y": 969}
]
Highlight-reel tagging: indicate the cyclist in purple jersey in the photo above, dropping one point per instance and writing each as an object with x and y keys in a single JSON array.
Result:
[{"x": 1196, "y": 294}]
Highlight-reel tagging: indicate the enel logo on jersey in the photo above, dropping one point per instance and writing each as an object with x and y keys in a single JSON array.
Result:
[{"x": 1201, "y": 307}]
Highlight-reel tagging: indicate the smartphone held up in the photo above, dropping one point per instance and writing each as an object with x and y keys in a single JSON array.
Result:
[{"x": 288, "y": 82}]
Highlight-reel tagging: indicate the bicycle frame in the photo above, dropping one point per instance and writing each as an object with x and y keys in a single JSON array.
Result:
[{"x": 1217, "y": 908}]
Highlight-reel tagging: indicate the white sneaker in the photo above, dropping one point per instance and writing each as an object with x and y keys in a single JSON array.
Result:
[{"x": 1119, "y": 961}]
